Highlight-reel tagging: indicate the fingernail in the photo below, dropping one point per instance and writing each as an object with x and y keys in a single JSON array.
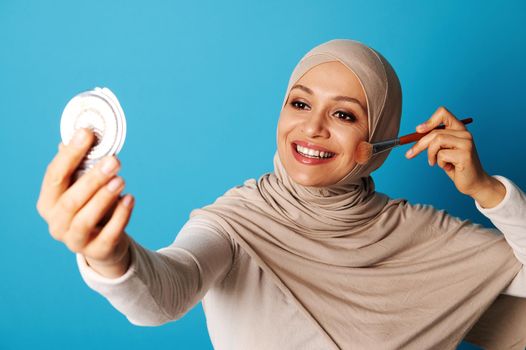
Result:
[
  {"x": 127, "y": 201},
  {"x": 409, "y": 153},
  {"x": 109, "y": 165},
  {"x": 114, "y": 184},
  {"x": 80, "y": 137}
]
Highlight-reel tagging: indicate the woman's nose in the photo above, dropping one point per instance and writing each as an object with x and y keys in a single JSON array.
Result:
[{"x": 315, "y": 125}]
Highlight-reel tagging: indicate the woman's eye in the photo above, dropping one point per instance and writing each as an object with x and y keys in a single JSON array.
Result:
[
  {"x": 299, "y": 105},
  {"x": 346, "y": 116},
  {"x": 349, "y": 117}
]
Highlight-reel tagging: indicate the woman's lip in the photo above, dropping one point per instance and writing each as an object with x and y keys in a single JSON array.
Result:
[
  {"x": 306, "y": 160},
  {"x": 311, "y": 146}
]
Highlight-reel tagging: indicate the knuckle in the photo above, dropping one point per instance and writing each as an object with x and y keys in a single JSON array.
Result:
[
  {"x": 69, "y": 203},
  {"x": 79, "y": 226},
  {"x": 56, "y": 231},
  {"x": 432, "y": 134},
  {"x": 77, "y": 237},
  {"x": 429, "y": 145},
  {"x": 431, "y": 148},
  {"x": 420, "y": 145},
  {"x": 95, "y": 179},
  {"x": 429, "y": 153},
  {"x": 111, "y": 162},
  {"x": 111, "y": 194},
  {"x": 72, "y": 245},
  {"x": 111, "y": 236},
  {"x": 420, "y": 148},
  {"x": 41, "y": 209},
  {"x": 56, "y": 177},
  {"x": 108, "y": 242}
]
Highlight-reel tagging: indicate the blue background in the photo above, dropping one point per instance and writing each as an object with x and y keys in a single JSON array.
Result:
[{"x": 201, "y": 84}]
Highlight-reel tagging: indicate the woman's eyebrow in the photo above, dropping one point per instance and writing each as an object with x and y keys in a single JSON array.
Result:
[{"x": 336, "y": 98}]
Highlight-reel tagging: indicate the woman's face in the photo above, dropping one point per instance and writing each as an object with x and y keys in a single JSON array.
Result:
[{"x": 326, "y": 110}]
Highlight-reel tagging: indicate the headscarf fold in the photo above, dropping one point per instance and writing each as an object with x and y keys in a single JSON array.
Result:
[{"x": 369, "y": 271}]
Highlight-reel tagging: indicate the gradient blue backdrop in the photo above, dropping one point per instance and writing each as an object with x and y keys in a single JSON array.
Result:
[{"x": 201, "y": 84}]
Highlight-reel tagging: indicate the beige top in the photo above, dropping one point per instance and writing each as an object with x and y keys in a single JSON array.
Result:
[{"x": 244, "y": 309}]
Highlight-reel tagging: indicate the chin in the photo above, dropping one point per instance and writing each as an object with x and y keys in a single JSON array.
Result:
[{"x": 305, "y": 181}]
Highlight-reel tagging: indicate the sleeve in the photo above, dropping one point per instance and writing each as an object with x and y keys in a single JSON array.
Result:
[
  {"x": 509, "y": 217},
  {"x": 161, "y": 286}
]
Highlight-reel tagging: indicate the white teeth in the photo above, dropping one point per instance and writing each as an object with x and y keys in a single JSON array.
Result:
[{"x": 313, "y": 153}]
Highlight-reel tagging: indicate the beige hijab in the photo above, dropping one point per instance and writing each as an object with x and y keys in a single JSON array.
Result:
[{"x": 369, "y": 271}]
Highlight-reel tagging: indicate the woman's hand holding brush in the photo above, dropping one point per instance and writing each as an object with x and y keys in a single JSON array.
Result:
[
  {"x": 453, "y": 149},
  {"x": 451, "y": 146}
]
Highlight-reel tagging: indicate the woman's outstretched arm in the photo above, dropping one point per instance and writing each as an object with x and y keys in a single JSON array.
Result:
[
  {"x": 161, "y": 286},
  {"x": 509, "y": 216}
]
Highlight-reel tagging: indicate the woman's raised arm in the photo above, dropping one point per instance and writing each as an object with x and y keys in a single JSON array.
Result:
[
  {"x": 503, "y": 202},
  {"x": 509, "y": 216}
]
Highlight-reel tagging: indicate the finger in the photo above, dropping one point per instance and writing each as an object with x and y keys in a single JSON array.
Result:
[
  {"x": 57, "y": 177},
  {"x": 449, "y": 160},
  {"x": 424, "y": 142},
  {"x": 85, "y": 221},
  {"x": 105, "y": 242},
  {"x": 441, "y": 116},
  {"x": 445, "y": 141},
  {"x": 80, "y": 193}
]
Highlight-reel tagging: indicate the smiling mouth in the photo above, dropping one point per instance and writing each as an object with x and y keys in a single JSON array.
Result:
[{"x": 312, "y": 154}]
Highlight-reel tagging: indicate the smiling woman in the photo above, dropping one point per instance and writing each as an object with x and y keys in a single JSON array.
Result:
[{"x": 311, "y": 256}]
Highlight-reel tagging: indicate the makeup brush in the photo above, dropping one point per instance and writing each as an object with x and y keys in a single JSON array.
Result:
[{"x": 366, "y": 150}]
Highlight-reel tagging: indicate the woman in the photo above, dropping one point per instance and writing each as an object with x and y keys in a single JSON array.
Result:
[{"x": 310, "y": 256}]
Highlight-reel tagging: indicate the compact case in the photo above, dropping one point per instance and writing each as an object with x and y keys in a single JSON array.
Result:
[{"x": 100, "y": 111}]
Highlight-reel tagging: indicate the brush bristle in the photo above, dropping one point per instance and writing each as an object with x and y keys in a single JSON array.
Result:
[{"x": 364, "y": 151}]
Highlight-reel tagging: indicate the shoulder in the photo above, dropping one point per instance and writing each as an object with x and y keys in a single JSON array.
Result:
[
  {"x": 428, "y": 216},
  {"x": 439, "y": 222},
  {"x": 204, "y": 224},
  {"x": 232, "y": 203},
  {"x": 247, "y": 187}
]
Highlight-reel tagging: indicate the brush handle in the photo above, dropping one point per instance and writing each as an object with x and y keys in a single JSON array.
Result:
[{"x": 417, "y": 135}]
